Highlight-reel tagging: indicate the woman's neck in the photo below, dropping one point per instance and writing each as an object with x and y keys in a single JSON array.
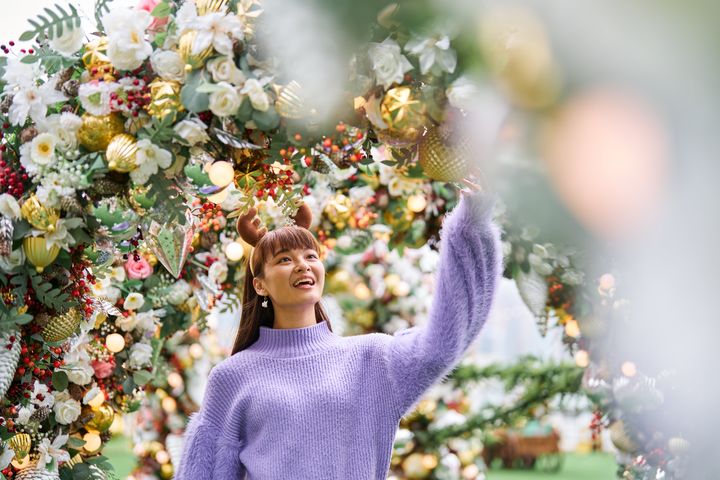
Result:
[{"x": 294, "y": 317}]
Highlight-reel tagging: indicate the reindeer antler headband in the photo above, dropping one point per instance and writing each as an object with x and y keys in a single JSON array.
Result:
[{"x": 248, "y": 227}]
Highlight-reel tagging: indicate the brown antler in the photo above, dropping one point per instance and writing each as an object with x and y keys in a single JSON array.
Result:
[{"x": 248, "y": 224}]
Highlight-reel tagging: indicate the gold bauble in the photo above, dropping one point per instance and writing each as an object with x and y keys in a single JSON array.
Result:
[
  {"x": 290, "y": 101},
  {"x": 621, "y": 439},
  {"x": 192, "y": 61},
  {"x": 400, "y": 217},
  {"x": 403, "y": 111},
  {"x": 443, "y": 156},
  {"x": 339, "y": 210},
  {"x": 102, "y": 418},
  {"x": 20, "y": 444},
  {"x": 38, "y": 253},
  {"x": 121, "y": 153},
  {"x": 166, "y": 470},
  {"x": 38, "y": 215},
  {"x": 61, "y": 326},
  {"x": 96, "y": 60},
  {"x": 164, "y": 99},
  {"x": 96, "y": 132},
  {"x": 211, "y": 6}
]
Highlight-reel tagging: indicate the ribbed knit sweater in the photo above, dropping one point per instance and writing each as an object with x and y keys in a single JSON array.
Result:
[{"x": 307, "y": 404}]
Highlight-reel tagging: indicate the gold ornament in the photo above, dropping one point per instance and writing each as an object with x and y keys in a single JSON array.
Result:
[
  {"x": 620, "y": 438},
  {"x": 211, "y": 6},
  {"x": 121, "y": 153},
  {"x": 192, "y": 60},
  {"x": 102, "y": 418},
  {"x": 166, "y": 471},
  {"x": 443, "y": 156},
  {"x": 39, "y": 216},
  {"x": 20, "y": 444},
  {"x": 62, "y": 326},
  {"x": 96, "y": 61},
  {"x": 291, "y": 103},
  {"x": 403, "y": 112},
  {"x": 414, "y": 466},
  {"x": 339, "y": 210},
  {"x": 38, "y": 252},
  {"x": 165, "y": 99},
  {"x": 96, "y": 132},
  {"x": 74, "y": 461},
  {"x": 678, "y": 446}
]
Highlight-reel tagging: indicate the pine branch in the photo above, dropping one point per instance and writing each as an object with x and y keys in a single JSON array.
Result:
[{"x": 53, "y": 27}]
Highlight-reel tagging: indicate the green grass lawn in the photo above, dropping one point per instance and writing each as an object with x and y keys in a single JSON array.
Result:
[{"x": 595, "y": 466}]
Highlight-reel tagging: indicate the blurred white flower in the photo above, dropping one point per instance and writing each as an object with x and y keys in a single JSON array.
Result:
[
  {"x": 15, "y": 259},
  {"x": 140, "y": 355},
  {"x": 255, "y": 90},
  {"x": 192, "y": 130},
  {"x": 388, "y": 62},
  {"x": 225, "y": 101},
  {"x": 434, "y": 53},
  {"x": 218, "y": 272},
  {"x": 168, "y": 64},
  {"x": 179, "y": 292},
  {"x": 41, "y": 396},
  {"x": 69, "y": 42},
  {"x": 95, "y": 97},
  {"x": 66, "y": 408},
  {"x": 217, "y": 29},
  {"x": 33, "y": 100},
  {"x": 48, "y": 451},
  {"x": 9, "y": 206},
  {"x": 149, "y": 158},
  {"x": 127, "y": 45},
  {"x": 24, "y": 414},
  {"x": 223, "y": 69},
  {"x": 134, "y": 301}
]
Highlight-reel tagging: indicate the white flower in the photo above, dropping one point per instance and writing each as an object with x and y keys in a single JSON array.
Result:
[
  {"x": 179, "y": 292},
  {"x": 6, "y": 456},
  {"x": 146, "y": 320},
  {"x": 360, "y": 195},
  {"x": 218, "y": 272},
  {"x": 42, "y": 148},
  {"x": 65, "y": 127},
  {"x": 372, "y": 112},
  {"x": 24, "y": 414},
  {"x": 140, "y": 355},
  {"x": 61, "y": 235},
  {"x": 258, "y": 97},
  {"x": 33, "y": 101},
  {"x": 104, "y": 288},
  {"x": 134, "y": 301},
  {"x": 126, "y": 324},
  {"x": 462, "y": 92},
  {"x": 168, "y": 64},
  {"x": 216, "y": 29},
  {"x": 9, "y": 207},
  {"x": 388, "y": 62},
  {"x": 434, "y": 53},
  {"x": 69, "y": 42},
  {"x": 51, "y": 451},
  {"x": 149, "y": 158},
  {"x": 41, "y": 396},
  {"x": 223, "y": 69},
  {"x": 127, "y": 46},
  {"x": 19, "y": 74},
  {"x": 91, "y": 394},
  {"x": 66, "y": 408},
  {"x": 15, "y": 259},
  {"x": 225, "y": 101},
  {"x": 95, "y": 97},
  {"x": 192, "y": 130},
  {"x": 118, "y": 274}
]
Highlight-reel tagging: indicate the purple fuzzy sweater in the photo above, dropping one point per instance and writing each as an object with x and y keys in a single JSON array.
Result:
[{"x": 307, "y": 404}]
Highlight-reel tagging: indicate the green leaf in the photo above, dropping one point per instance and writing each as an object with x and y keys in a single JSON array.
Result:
[
  {"x": 267, "y": 120},
  {"x": 75, "y": 443},
  {"x": 101, "y": 8},
  {"x": 29, "y": 59},
  {"x": 193, "y": 100},
  {"x": 60, "y": 380},
  {"x": 208, "y": 87},
  {"x": 161, "y": 10},
  {"x": 141, "y": 377},
  {"x": 245, "y": 111},
  {"x": 53, "y": 27}
]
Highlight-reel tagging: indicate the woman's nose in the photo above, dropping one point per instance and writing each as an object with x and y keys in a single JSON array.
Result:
[{"x": 302, "y": 266}]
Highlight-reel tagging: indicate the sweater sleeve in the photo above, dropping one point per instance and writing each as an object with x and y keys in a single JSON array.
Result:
[
  {"x": 467, "y": 277},
  {"x": 210, "y": 450}
]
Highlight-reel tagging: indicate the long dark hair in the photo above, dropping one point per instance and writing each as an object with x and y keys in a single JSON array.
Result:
[{"x": 253, "y": 315}]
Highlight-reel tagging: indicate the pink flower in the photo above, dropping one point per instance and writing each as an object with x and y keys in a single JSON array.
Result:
[
  {"x": 148, "y": 6},
  {"x": 138, "y": 270},
  {"x": 103, "y": 369}
]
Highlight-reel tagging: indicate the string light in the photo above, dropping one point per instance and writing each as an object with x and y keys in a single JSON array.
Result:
[
  {"x": 234, "y": 251},
  {"x": 221, "y": 173},
  {"x": 115, "y": 342}
]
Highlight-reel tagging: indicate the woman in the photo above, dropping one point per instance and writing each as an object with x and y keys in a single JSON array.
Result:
[{"x": 296, "y": 401}]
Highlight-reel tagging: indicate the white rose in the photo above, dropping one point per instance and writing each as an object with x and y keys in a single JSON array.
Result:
[
  {"x": 192, "y": 130},
  {"x": 66, "y": 408},
  {"x": 388, "y": 62},
  {"x": 127, "y": 56},
  {"x": 24, "y": 414},
  {"x": 127, "y": 46},
  {"x": 9, "y": 207},
  {"x": 15, "y": 259},
  {"x": 168, "y": 64},
  {"x": 140, "y": 355},
  {"x": 179, "y": 292},
  {"x": 146, "y": 321},
  {"x": 69, "y": 42},
  {"x": 462, "y": 93},
  {"x": 80, "y": 373},
  {"x": 258, "y": 97},
  {"x": 223, "y": 69},
  {"x": 218, "y": 272},
  {"x": 226, "y": 101}
]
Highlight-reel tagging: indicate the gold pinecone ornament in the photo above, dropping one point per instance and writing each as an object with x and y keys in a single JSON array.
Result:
[
  {"x": 34, "y": 472},
  {"x": 121, "y": 153},
  {"x": 62, "y": 326},
  {"x": 444, "y": 155},
  {"x": 403, "y": 111},
  {"x": 8, "y": 358},
  {"x": 621, "y": 439},
  {"x": 96, "y": 132}
]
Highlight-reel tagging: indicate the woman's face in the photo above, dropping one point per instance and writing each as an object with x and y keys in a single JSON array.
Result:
[{"x": 282, "y": 272}]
